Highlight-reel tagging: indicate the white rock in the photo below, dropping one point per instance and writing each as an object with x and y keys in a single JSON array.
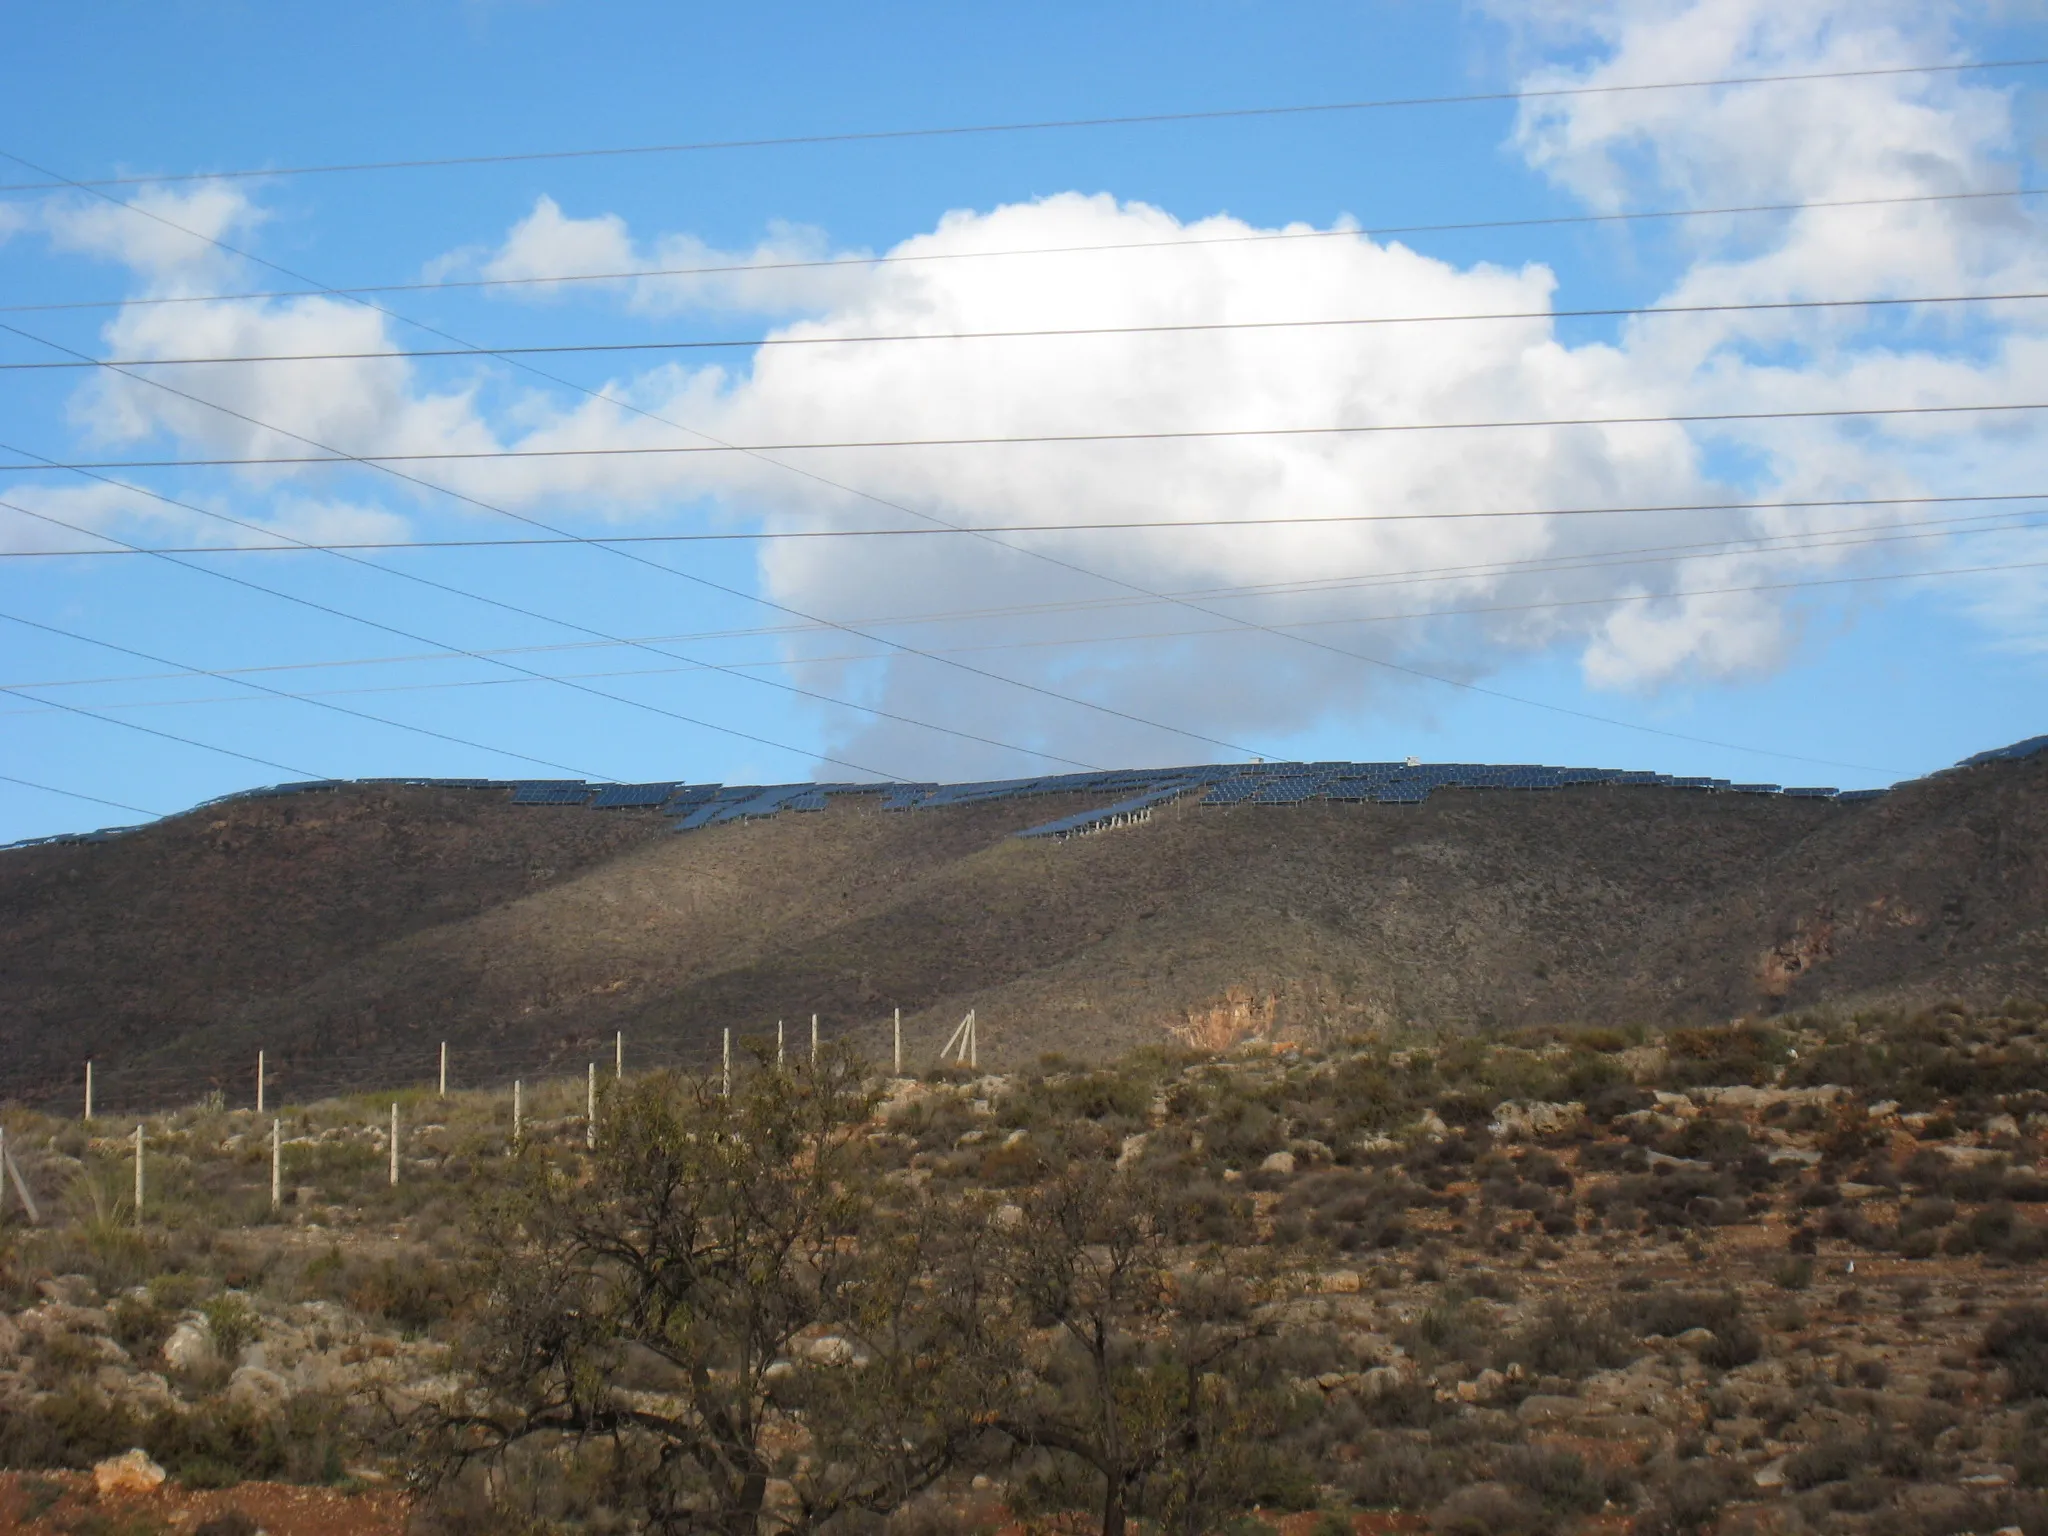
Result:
[
  {"x": 1522, "y": 1118},
  {"x": 190, "y": 1345},
  {"x": 830, "y": 1349},
  {"x": 262, "y": 1392},
  {"x": 131, "y": 1472},
  {"x": 1278, "y": 1162}
]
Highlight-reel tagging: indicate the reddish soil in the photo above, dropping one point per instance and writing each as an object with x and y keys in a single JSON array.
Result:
[{"x": 34, "y": 1503}]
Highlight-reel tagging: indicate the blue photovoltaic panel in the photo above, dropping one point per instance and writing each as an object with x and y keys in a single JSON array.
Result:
[
  {"x": 1232, "y": 791},
  {"x": 1753, "y": 789},
  {"x": 615, "y": 795},
  {"x": 1810, "y": 794},
  {"x": 1083, "y": 820},
  {"x": 1862, "y": 794},
  {"x": 551, "y": 792},
  {"x": 2019, "y": 749},
  {"x": 809, "y": 800}
]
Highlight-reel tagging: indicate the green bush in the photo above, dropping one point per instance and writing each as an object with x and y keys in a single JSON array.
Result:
[{"x": 233, "y": 1324}]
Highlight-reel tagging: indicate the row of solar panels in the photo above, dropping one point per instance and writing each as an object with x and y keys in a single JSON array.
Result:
[
  {"x": 2013, "y": 753},
  {"x": 702, "y": 805}
]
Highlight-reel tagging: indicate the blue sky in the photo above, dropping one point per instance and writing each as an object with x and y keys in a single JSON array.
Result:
[{"x": 1775, "y": 645}]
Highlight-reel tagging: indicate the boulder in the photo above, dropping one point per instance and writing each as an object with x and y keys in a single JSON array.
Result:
[
  {"x": 1529, "y": 1119},
  {"x": 829, "y": 1349},
  {"x": 263, "y": 1393},
  {"x": 131, "y": 1473},
  {"x": 71, "y": 1290},
  {"x": 1544, "y": 1408},
  {"x": 189, "y": 1346},
  {"x": 1278, "y": 1162}
]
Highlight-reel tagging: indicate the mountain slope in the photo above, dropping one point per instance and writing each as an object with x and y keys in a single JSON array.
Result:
[{"x": 348, "y": 933}]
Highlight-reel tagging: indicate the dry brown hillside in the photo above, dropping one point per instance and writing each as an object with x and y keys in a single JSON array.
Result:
[{"x": 348, "y": 933}]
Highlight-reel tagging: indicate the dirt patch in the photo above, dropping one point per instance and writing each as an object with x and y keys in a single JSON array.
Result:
[{"x": 35, "y": 1503}]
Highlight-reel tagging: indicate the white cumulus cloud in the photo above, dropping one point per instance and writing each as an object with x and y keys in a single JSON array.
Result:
[{"x": 1243, "y": 633}]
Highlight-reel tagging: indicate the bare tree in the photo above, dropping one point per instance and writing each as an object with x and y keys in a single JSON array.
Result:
[
  {"x": 1137, "y": 1356},
  {"x": 719, "y": 1311}
]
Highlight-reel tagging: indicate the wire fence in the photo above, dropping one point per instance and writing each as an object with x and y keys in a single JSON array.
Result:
[{"x": 267, "y": 1080}]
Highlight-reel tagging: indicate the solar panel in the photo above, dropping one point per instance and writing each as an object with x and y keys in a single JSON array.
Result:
[
  {"x": 1403, "y": 794},
  {"x": 1088, "y": 821},
  {"x": 613, "y": 796},
  {"x": 550, "y": 792},
  {"x": 1862, "y": 794},
  {"x": 1753, "y": 789},
  {"x": 1810, "y": 794},
  {"x": 810, "y": 800}
]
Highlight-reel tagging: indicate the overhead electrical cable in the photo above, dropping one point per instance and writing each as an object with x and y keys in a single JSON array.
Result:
[
  {"x": 1339, "y": 519},
  {"x": 187, "y": 741},
  {"x": 418, "y": 639},
  {"x": 774, "y": 683},
  {"x": 1021, "y": 439},
  {"x": 1611, "y": 599},
  {"x": 1042, "y": 125},
  {"x": 51, "y": 789},
  {"x": 1256, "y": 237},
  {"x": 689, "y": 576},
  {"x": 1193, "y": 327},
  {"x": 265, "y": 688},
  {"x": 1560, "y": 563},
  {"x": 1382, "y": 663},
  {"x": 1536, "y": 566}
]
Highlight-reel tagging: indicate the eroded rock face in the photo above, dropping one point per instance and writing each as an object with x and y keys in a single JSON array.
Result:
[{"x": 130, "y": 1473}]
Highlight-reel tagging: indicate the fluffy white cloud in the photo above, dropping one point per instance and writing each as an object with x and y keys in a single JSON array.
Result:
[
  {"x": 792, "y": 269},
  {"x": 1082, "y": 611}
]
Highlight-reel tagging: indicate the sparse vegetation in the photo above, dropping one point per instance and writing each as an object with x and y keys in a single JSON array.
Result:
[{"x": 1167, "y": 1293}]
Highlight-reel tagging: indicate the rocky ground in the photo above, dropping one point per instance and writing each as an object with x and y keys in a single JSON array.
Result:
[{"x": 1791, "y": 1275}]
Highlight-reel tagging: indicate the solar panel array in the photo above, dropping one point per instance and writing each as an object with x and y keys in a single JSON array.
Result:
[
  {"x": 1137, "y": 790},
  {"x": 2013, "y": 753}
]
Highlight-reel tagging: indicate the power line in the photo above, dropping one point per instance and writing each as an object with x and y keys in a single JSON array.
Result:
[
  {"x": 1537, "y": 566},
  {"x": 130, "y": 725},
  {"x": 1344, "y": 519},
  {"x": 1029, "y": 439},
  {"x": 869, "y": 136},
  {"x": 417, "y": 639},
  {"x": 1046, "y": 332},
  {"x": 1374, "y": 661},
  {"x": 691, "y": 577},
  {"x": 1257, "y": 237},
  {"x": 51, "y": 789},
  {"x": 1546, "y": 606},
  {"x": 265, "y": 688}
]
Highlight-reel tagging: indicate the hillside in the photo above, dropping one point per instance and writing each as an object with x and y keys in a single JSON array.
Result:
[{"x": 348, "y": 932}]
